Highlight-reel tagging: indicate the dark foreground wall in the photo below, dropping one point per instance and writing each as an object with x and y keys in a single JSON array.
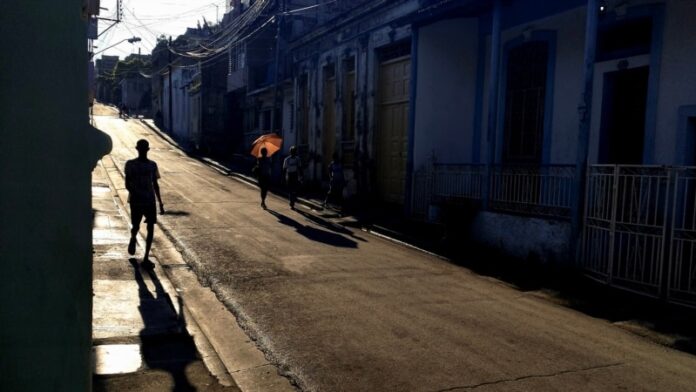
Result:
[{"x": 47, "y": 153}]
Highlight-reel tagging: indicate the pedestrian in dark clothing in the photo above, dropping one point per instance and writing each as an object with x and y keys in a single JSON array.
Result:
[
  {"x": 292, "y": 166},
  {"x": 336, "y": 182},
  {"x": 263, "y": 172},
  {"x": 143, "y": 192}
]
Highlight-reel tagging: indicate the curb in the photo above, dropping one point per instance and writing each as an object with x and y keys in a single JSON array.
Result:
[
  {"x": 258, "y": 378},
  {"x": 213, "y": 363}
]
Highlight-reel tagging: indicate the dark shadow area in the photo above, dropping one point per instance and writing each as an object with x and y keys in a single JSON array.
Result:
[
  {"x": 168, "y": 350},
  {"x": 314, "y": 234},
  {"x": 559, "y": 283},
  {"x": 327, "y": 225},
  {"x": 176, "y": 213}
]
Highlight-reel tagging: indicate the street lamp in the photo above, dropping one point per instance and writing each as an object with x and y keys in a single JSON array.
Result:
[{"x": 130, "y": 40}]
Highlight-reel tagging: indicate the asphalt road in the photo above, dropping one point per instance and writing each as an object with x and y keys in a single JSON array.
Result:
[{"x": 339, "y": 310}]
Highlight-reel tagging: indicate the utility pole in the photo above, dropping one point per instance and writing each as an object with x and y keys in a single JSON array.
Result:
[
  {"x": 277, "y": 101},
  {"x": 171, "y": 113}
]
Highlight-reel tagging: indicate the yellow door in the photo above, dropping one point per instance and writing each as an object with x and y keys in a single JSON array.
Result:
[
  {"x": 392, "y": 128},
  {"x": 329, "y": 124}
]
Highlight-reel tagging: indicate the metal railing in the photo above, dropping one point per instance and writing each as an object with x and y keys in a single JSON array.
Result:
[
  {"x": 446, "y": 184},
  {"x": 639, "y": 232},
  {"x": 451, "y": 182},
  {"x": 682, "y": 248},
  {"x": 543, "y": 190}
]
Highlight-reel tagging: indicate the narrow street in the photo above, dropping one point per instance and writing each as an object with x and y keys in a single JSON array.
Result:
[{"x": 342, "y": 310}]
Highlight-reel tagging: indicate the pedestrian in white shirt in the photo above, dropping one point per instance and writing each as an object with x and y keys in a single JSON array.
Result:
[{"x": 292, "y": 166}]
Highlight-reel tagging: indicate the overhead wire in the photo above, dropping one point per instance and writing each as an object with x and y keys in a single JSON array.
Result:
[{"x": 231, "y": 34}]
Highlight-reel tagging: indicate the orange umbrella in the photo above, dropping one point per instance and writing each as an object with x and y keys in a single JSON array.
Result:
[{"x": 271, "y": 142}]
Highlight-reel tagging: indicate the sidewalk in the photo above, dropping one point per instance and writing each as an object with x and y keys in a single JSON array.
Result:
[{"x": 140, "y": 337}]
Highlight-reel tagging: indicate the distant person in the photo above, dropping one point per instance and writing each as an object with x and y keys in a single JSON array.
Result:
[
  {"x": 292, "y": 166},
  {"x": 263, "y": 173},
  {"x": 143, "y": 192},
  {"x": 336, "y": 182}
]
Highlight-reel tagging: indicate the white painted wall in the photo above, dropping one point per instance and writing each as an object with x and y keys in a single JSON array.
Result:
[
  {"x": 677, "y": 77},
  {"x": 445, "y": 91},
  {"x": 568, "y": 79}
]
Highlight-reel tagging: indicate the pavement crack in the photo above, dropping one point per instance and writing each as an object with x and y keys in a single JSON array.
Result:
[{"x": 530, "y": 376}]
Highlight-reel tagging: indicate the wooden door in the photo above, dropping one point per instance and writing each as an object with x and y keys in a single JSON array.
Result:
[{"x": 392, "y": 128}]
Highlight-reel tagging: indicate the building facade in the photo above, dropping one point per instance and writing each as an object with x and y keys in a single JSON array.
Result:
[{"x": 563, "y": 131}]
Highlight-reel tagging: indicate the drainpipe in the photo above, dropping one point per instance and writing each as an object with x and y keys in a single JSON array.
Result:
[
  {"x": 171, "y": 113},
  {"x": 408, "y": 196},
  {"x": 493, "y": 98},
  {"x": 584, "y": 114}
]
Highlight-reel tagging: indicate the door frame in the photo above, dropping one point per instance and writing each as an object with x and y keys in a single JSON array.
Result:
[
  {"x": 654, "y": 58},
  {"x": 601, "y": 69},
  {"x": 377, "y": 62}
]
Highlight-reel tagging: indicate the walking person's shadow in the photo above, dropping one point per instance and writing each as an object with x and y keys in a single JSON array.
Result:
[
  {"x": 165, "y": 344},
  {"x": 314, "y": 234}
]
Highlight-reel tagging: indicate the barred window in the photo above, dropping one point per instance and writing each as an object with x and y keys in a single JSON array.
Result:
[{"x": 525, "y": 92}]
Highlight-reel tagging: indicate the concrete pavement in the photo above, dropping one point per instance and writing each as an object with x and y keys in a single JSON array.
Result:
[
  {"x": 336, "y": 309},
  {"x": 140, "y": 338}
]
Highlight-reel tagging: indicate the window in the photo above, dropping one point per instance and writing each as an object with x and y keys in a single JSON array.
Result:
[
  {"x": 236, "y": 58},
  {"x": 525, "y": 93},
  {"x": 349, "y": 99}
]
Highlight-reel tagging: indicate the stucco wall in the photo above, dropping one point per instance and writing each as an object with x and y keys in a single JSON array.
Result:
[
  {"x": 524, "y": 238},
  {"x": 677, "y": 86},
  {"x": 569, "y": 28},
  {"x": 445, "y": 92}
]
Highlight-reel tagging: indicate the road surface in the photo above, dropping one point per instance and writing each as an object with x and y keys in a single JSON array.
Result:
[{"x": 340, "y": 310}]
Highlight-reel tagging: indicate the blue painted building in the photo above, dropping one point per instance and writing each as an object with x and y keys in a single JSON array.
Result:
[{"x": 567, "y": 128}]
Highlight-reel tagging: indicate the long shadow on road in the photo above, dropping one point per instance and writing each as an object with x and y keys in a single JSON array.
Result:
[
  {"x": 330, "y": 226},
  {"x": 314, "y": 234},
  {"x": 171, "y": 352}
]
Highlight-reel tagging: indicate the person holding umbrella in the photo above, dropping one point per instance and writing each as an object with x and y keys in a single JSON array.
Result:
[
  {"x": 262, "y": 149},
  {"x": 263, "y": 172}
]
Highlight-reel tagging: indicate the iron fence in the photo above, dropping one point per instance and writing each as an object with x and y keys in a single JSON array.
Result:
[
  {"x": 446, "y": 183},
  {"x": 682, "y": 249},
  {"x": 543, "y": 190},
  {"x": 639, "y": 232},
  {"x": 451, "y": 182},
  {"x": 639, "y": 227}
]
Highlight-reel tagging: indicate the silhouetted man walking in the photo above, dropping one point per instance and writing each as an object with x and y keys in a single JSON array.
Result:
[{"x": 141, "y": 181}]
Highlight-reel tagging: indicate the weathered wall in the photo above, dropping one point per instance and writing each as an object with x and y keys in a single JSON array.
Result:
[
  {"x": 525, "y": 238},
  {"x": 677, "y": 81},
  {"x": 446, "y": 91},
  {"x": 47, "y": 153}
]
